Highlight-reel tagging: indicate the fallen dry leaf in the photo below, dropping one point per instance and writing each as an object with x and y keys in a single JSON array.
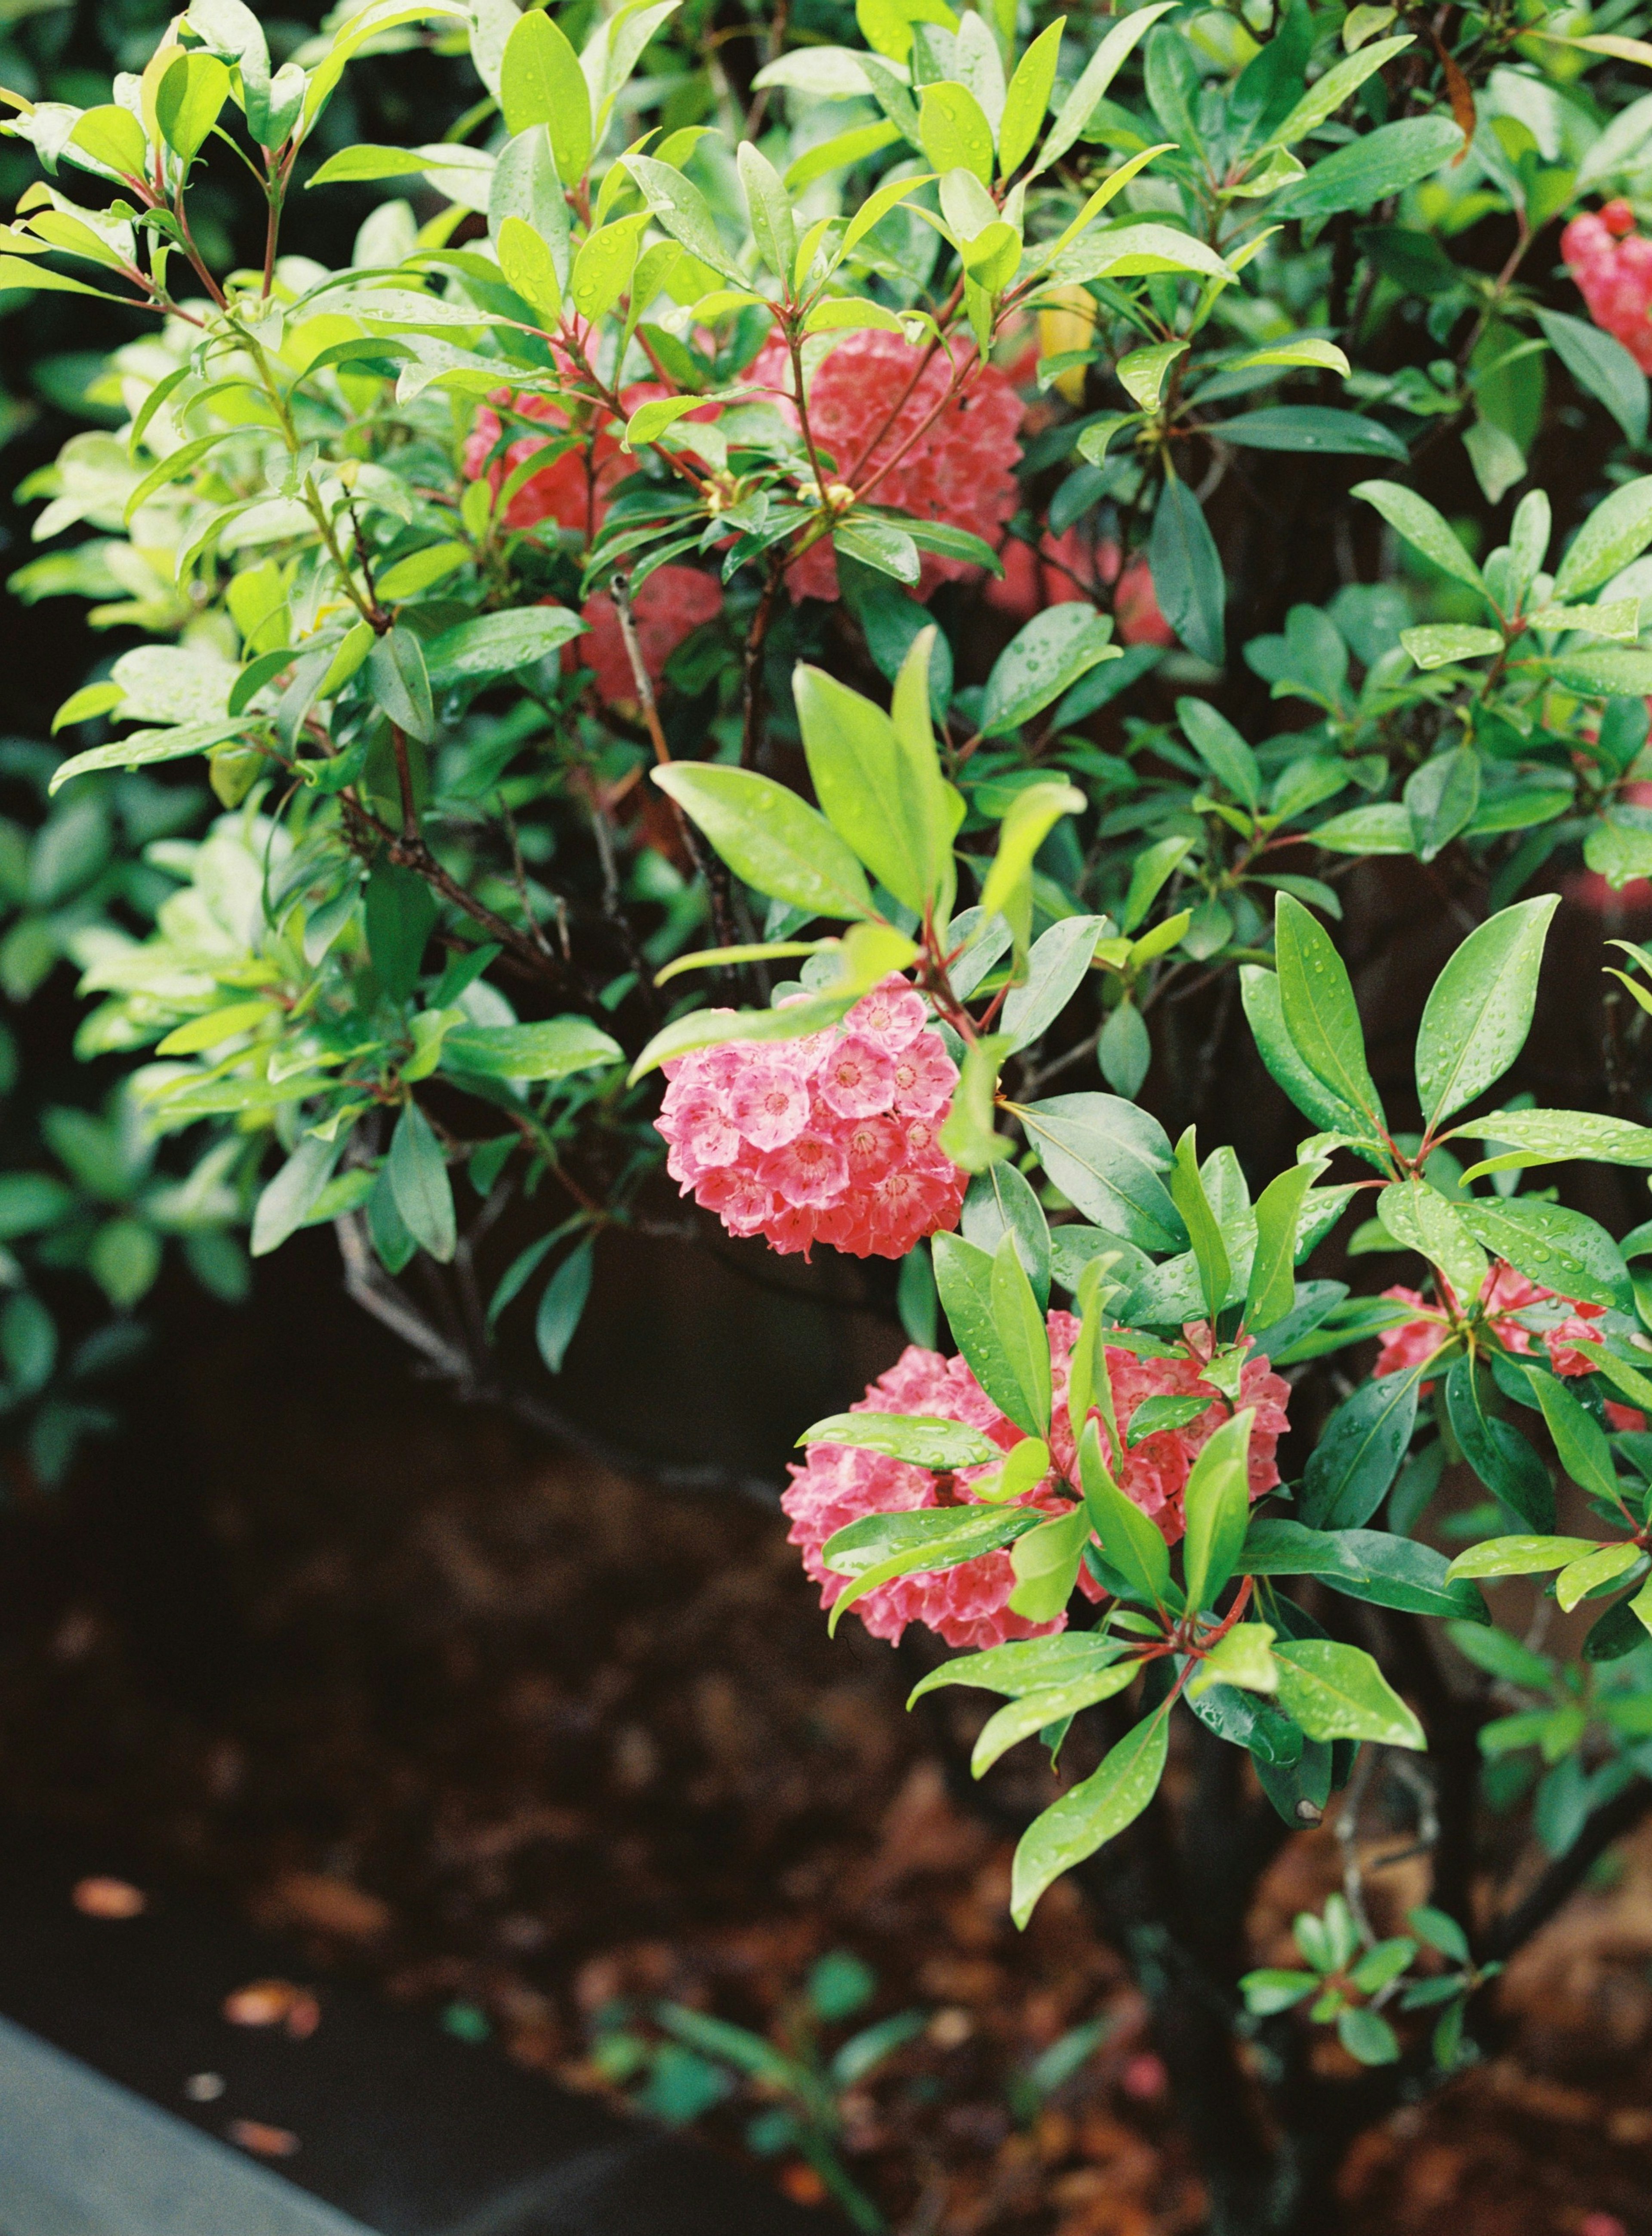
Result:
[
  {"x": 274, "y": 2003},
  {"x": 325, "y": 1905},
  {"x": 99, "y": 1897},
  {"x": 267, "y": 2141}
]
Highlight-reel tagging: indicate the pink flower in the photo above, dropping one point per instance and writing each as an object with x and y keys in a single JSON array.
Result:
[
  {"x": 969, "y": 1605},
  {"x": 1155, "y": 1472},
  {"x": 922, "y": 1078},
  {"x": 816, "y": 1157},
  {"x": 892, "y": 1015},
  {"x": 1612, "y": 266},
  {"x": 956, "y": 467},
  {"x": 1569, "y": 1339},
  {"x": 811, "y": 1170},
  {"x": 856, "y": 1077},
  {"x": 770, "y": 1103}
]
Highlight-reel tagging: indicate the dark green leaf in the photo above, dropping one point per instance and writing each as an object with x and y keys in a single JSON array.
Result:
[{"x": 1360, "y": 1452}]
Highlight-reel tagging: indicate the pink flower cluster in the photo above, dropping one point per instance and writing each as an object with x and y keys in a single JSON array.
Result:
[
  {"x": 969, "y": 1605},
  {"x": 1567, "y": 1341},
  {"x": 956, "y": 467},
  {"x": 830, "y": 1138},
  {"x": 1612, "y": 266},
  {"x": 572, "y": 489}
]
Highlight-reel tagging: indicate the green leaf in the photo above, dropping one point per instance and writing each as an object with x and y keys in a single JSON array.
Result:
[
  {"x": 420, "y": 1185},
  {"x": 1419, "y": 1218},
  {"x": 1603, "y": 1565},
  {"x": 1580, "y": 1442},
  {"x": 1022, "y": 1336},
  {"x": 1034, "y": 1712},
  {"x": 1222, "y": 749},
  {"x": 1551, "y": 1137},
  {"x": 1439, "y": 644},
  {"x": 1041, "y": 661},
  {"x": 1312, "y": 427},
  {"x": 685, "y": 214},
  {"x": 1327, "y": 93},
  {"x": 552, "y": 1049},
  {"x": 880, "y": 1546},
  {"x": 922, "y": 1439},
  {"x": 1478, "y": 1013},
  {"x": 1264, "y": 1012},
  {"x": 187, "y": 102},
  {"x": 1320, "y": 1015},
  {"x": 1056, "y": 967},
  {"x": 540, "y": 82},
  {"x": 1270, "y": 1293},
  {"x": 400, "y": 686},
  {"x": 562, "y": 1304},
  {"x": 1141, "y": 373},
  {"x": 499, "y": 644},
  {"x": 1032, "y": 1664},
  {"x": 287, "y": 1200},
  {"x": 1124, "y": 1050},
  {"x": 112, "y": 135},
  {"x": 1241, "y": 1656},
  {"x": 1152, "y": 867},
  {"x": 1045, "y": 1563},
  {"x": 1187, "y": 1194},
  {"x": 964, "y": 1280},
  {"x": 1034, "y": 813},
  {"x": 1001, "y": 1201},
  {"x": 401, "y": 913},
  {"x": 1185, "y": 566},
  {"x": 769, "y": 207},
  {"x": 1365, "y": 2035},
  {"x": 527, "y": 263},
  {"x": 1099, "y": 1809},
  {"x": 1602, "y": 367},
  {"x": 1520, "y": 1556},
  {"x": 878, "y": 780},
  {"x": 1371, "y": 168},
  {"x": 143, "y": 748},
  {"x": 1337, "y": 1691},
  {"x": 1423, "y": 528},
  {"x": 711, "y": 1028},
  {"x": 1360, "y": 1451},
  {"x": 769, "y": 837},
  {"x": 1133, "y": 1544},
  {"x": 1617, "y": 530},
  {"x": 1107, "y": 1158},
  {"x": 1496, "y": 1450},
  {"x": 1562, "y": 1249},
  {"x": 1028, "y": 99},
  {"x": 968, "y": 1134},
  {"x": 1441, "y": 798},
  {"x": 1364, "y": 1564},
  {"x": 1075, "y": 111},
  {"x": 955, "y": 135},
  {"x": 1217, "y": 1505}
]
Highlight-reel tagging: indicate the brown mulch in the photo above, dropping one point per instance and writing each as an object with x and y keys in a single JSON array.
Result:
[{"x": 516, "y": 1739}]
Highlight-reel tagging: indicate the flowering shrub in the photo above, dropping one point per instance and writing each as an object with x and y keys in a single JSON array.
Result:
[
  {"x": 970, "y": 1604},
  {"x": 657, "y": 549},
  {"x": 831, "y": 1138}
]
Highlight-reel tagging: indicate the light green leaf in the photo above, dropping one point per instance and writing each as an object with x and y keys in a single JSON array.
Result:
[
  {"x": 1425, "y": 529},
  {"x": 1479, "y": 1010},
  {"x": 419, "y": 1182},
  {"x": 878, "y": 777},
  {"x": 1099, "y": 1809},
  {"x": 1075, "y": 111},
  {"x": 922, "y": 1439},
  {"x": 1320, "y": 1015},
  {"x": 1042, "y": 660},
  {"x": 1617, "y": 530},
  {"x": 1216, "y": 1502},
  {"x": 540, "y": 82},
  {"x": 1438, "y": 643},
  {"x": 769, "y": 837},
  {"x": 1027, "y": 99},
  {"x": 1337, "y": 1691},
  {"x": 1034, "y": 1712},
  {"x": 552, "y": 1049}
]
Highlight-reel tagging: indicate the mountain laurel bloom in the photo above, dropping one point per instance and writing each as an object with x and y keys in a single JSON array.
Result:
[
  {"x": 969, "y": 1605},
  {"x": 956, "y": 467},
  {"x": 831, "y": 1138},
  {"x": 571, "y": 489},
  {"x": 1563, "y": 1324},
  {"x": 1612, "y": 265}
]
